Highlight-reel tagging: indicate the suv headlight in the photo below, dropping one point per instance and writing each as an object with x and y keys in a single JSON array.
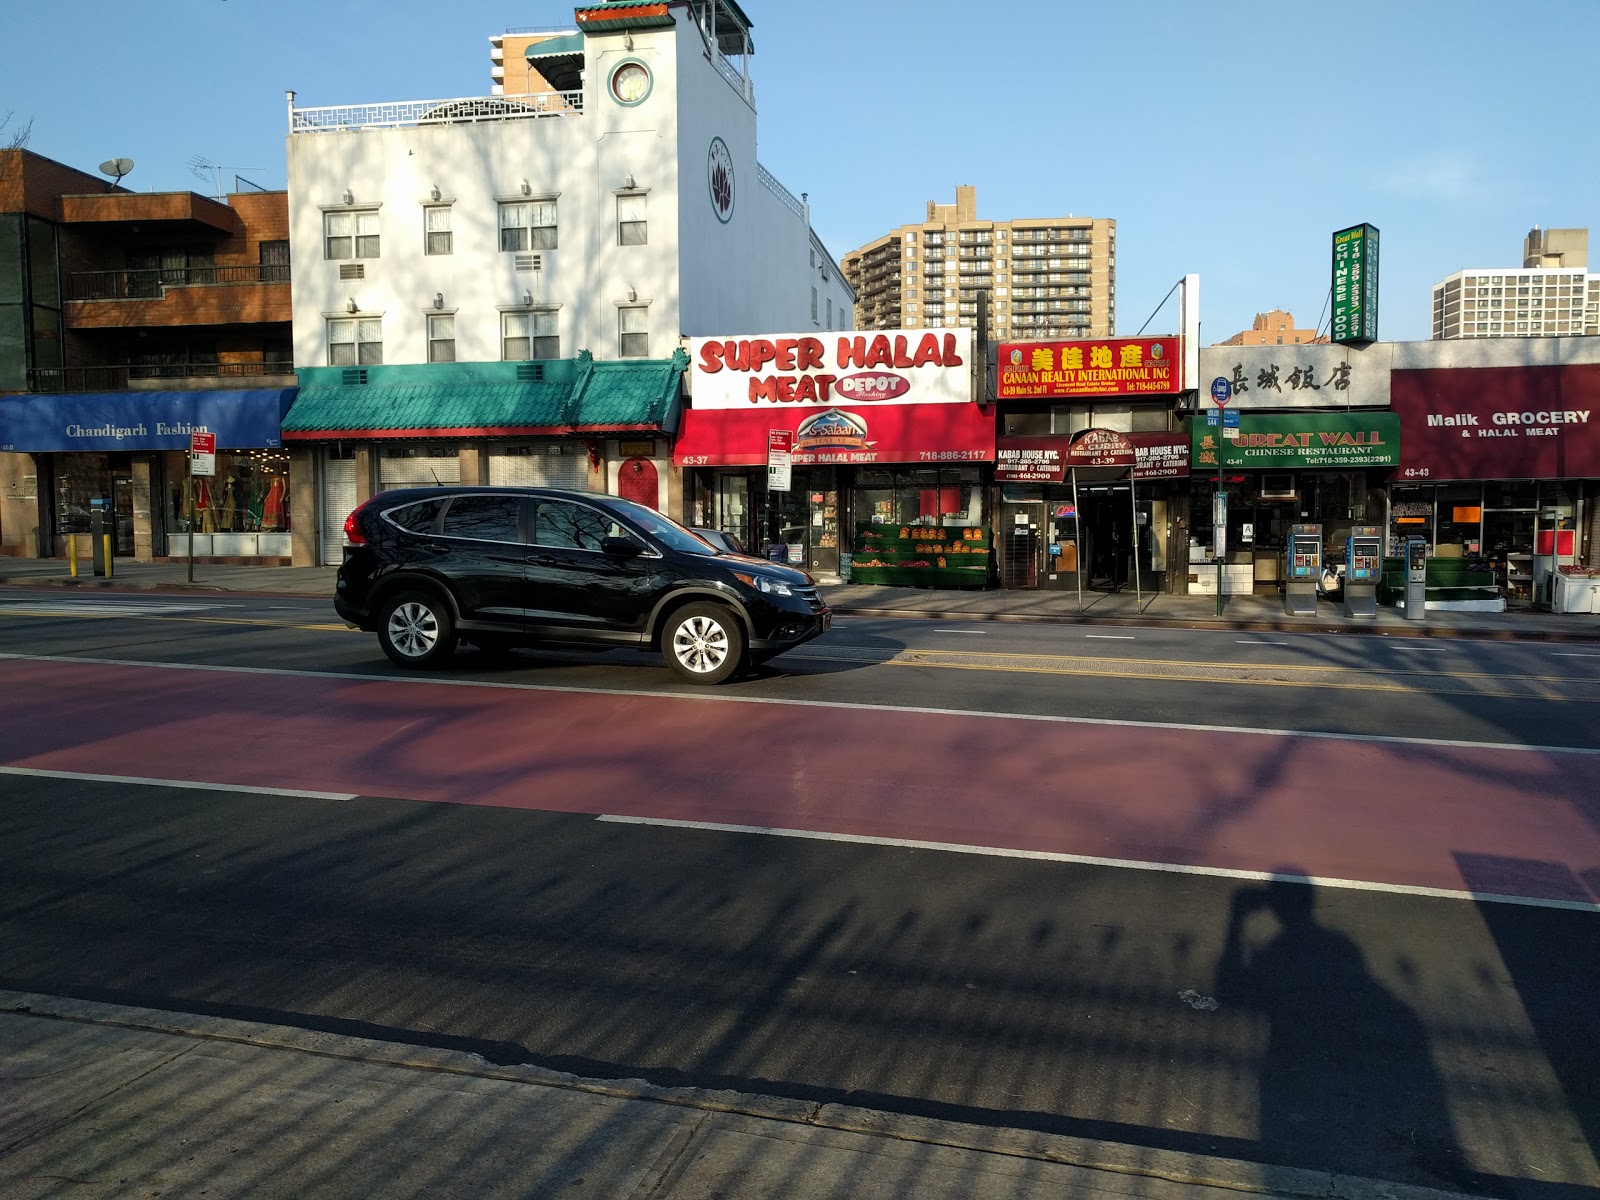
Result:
[{"x": 761, "y": 583}]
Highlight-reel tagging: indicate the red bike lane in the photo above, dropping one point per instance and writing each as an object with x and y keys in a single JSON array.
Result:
[{"x": 1460, "y": 818}]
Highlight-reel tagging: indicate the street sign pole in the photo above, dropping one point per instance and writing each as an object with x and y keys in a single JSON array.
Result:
[
  {"x": 202, "y": 461},
  {"x": 1221, "y": 391}
]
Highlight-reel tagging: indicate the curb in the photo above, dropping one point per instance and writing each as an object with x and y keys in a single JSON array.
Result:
[
  {"x": 1420, "y": 629},
  {"x": 1113, "y": 1158}
]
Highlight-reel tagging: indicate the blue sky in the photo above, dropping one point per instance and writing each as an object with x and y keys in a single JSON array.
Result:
[{"x": 1229, "y": 138}]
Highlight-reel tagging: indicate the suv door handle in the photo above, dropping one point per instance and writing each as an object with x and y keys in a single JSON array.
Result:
[{"x": 542, "y": 560}]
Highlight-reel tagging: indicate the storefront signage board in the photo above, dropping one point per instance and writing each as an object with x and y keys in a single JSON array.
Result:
[
  {"x": 1100, "y": 448},
  {"x": 780, "y": 371},
  {"x": 1531, "y": 422},
  {"x": 1303, "y": 376},
  {"x": 1047, "y": 459},
  {"x": 40, "y": 423},
  {"x": 825, "y": 434},
  {"x": 1098, "y": 367},
  {"x": 1355, "y": 285},
  {"x": 1301, "y": 441}
]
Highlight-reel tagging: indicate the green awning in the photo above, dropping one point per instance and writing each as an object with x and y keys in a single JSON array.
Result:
[
  {"x": 571, "y": 43},
  {"x": 479, "y": 400}
]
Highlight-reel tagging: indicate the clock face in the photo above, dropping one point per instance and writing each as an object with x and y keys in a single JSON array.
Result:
[{"x": 630, "y": 83}]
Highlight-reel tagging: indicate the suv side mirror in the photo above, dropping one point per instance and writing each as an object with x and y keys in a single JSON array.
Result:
[{"x": 620, "y": 547}]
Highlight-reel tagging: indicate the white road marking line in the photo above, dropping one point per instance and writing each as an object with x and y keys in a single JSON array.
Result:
[
  {"x": 709, "y": 697},
  {"x": 99, "y": 608},
  {"x": 1088, "y": 860},
  {"x": 1111, "y": 637},
  {"x": 979, "y": 632},
  {"x": 145, "y": 781},
  {"x": 1559, "y": 655},
  {"x": 1251, "y": 642},
  {"x": 1434, "y": 649}
]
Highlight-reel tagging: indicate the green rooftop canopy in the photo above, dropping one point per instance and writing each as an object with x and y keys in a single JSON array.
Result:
[{"x": 479, "y": 400}]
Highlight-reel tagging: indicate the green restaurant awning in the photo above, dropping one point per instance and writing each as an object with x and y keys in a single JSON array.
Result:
[{"x": 470, "y": 400}]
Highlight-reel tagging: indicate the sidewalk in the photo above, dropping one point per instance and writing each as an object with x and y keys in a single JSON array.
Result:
[
  {"x": 107, "y": 1101},
  {"x": 1257, "y": 613}
]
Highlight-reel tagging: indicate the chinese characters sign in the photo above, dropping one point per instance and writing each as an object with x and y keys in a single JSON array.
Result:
[
  {"x": 1355, "y": 284},
  {"x": 1308, "y": 441},
  {"x": 1104, "y": 367}
]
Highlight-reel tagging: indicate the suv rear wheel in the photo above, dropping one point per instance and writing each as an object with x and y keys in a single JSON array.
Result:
[
  {"x": 416, "y": 630},
  {"x": 703, "y": 643}
]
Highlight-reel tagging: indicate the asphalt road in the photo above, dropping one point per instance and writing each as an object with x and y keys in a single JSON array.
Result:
[{"x": 1001, "y": 895}]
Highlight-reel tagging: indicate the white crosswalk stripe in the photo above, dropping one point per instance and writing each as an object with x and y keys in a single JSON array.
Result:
[{"x": 42, "y": 607}]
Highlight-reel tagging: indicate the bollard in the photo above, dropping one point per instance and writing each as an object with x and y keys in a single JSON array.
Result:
[
  {"x": 106, "y": 543},
  {"x": 72, "y": 554}
]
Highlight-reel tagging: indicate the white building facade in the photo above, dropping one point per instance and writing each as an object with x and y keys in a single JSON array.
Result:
[
  {"x": 1515, "y": 302},
  {"x": 614, "y": 216}
]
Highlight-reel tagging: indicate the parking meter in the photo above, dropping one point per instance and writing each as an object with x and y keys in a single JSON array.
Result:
[
  {"x": 101, "y": 523},
  {"x": 1416, "y": 578},
  {"x": 1363, "y": 567},
  {"x": 1302, "y": 568}
]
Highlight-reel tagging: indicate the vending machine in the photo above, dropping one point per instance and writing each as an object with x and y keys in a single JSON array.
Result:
[
  {"x": 1302, "y": 570},
  {"x": 1363, "y": 568}
]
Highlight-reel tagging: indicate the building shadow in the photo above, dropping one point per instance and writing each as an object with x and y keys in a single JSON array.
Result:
[{"x": 1321, "y": 1016}]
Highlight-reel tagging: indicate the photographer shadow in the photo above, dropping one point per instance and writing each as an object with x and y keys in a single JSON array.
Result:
[{"x": 1346, "y": 1077}]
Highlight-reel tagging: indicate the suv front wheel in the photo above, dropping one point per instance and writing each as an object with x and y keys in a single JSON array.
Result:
[
  {"x": 703, "y": 643},
  {"x": 416, "y": 630}
]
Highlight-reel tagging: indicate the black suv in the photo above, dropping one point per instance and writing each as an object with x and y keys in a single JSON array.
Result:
[{"x": 507, "y": 566}]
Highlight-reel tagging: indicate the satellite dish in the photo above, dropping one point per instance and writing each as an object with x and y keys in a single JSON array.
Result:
[{"x": 117, "y": 167}]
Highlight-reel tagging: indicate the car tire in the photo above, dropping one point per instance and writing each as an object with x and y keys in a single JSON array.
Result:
[
  {"x": 416, "y": 630},
  {"x": 703, "y": 643}
]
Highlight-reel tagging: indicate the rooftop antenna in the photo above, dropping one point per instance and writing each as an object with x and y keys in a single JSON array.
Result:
[
  {"x": 117, "y": 167},
  {"x": 203, "y": 168}
]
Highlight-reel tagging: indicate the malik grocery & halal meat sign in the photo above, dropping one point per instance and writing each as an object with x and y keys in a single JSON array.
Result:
[{"x": 1102, "y": 367}]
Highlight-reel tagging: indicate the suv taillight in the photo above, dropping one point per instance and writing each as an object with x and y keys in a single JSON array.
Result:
[{"x": 352, "y": 528}]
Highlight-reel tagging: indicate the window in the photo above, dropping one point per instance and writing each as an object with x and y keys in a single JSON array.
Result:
[
  {"x": 436, "y": 235},
  {"x": 829, "y": 311},
  {"x": 528, "y": 335},
  {"x": 633, "y": 331},
  {"x": 563, "y": 525},
  {"x": 441, "y": 337},
  {"x": 355, "y": 341},
  {"x": 813, "y": 304},
  {"x": 418, "y": 518},
  {"x": 632, "y": 229},
  {"x": 528, "y": 225},
  {"x": 274, "y": 262},
  {"x": 350, "y": 234},
  {"x": 484, "y": 518}
]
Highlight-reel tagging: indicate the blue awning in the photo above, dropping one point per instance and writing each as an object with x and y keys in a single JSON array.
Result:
[{"x": 248, "y": 419}]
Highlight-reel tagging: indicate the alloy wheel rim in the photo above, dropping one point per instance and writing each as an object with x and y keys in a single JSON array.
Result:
[
  {"x": 413, "y": 629},
  {"x": 701, "y": 644}
]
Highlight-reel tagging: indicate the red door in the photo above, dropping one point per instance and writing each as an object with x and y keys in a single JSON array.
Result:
[{"x": 636, "y": 481}]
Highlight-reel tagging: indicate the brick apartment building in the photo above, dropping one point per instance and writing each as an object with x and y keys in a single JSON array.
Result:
[{"x": 127, "y": 320}]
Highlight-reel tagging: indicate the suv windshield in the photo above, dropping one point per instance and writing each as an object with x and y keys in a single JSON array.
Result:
[{"x": 664, "y": 529}]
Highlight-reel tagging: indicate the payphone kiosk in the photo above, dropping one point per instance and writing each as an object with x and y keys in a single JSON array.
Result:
[
  {"x": 1363, "y": 567},
  {"x": 1416, "y": 578},
  {"x": 1302, "y": 570}
]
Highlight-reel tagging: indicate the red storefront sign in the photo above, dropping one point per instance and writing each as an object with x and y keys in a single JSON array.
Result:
[
  {"x": 1100, "y": 448},
  {"x": 1048, "y": 459},
  {"x": 887, "y": 433},
  {"x": 1100, "y": 367},
  {"x": 1498, "y": 422}
]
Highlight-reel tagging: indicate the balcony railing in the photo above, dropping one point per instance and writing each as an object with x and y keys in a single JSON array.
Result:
[
  {"x": 151, "y": 284},
  {"x": 141, "y": 376},
  {"x": 402, "y": 114}
]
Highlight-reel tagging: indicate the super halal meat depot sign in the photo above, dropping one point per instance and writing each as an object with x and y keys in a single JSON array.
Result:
[{"x": 914, "y": 367}]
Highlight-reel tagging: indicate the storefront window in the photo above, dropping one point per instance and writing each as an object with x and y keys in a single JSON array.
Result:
[
  {"x": 920, "y": 527},
  {"x": 1410, "y": 515},
  {"x": 79, "y": 479},
  {"x": 248, "y": 494},
  {"x": 1459, "y": 530}
]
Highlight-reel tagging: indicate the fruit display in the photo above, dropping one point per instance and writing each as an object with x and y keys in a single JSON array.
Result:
[{"x": 921, "y": 555}]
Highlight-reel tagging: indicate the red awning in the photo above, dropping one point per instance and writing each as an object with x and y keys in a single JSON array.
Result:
[{"x": 864, "y": 434}]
